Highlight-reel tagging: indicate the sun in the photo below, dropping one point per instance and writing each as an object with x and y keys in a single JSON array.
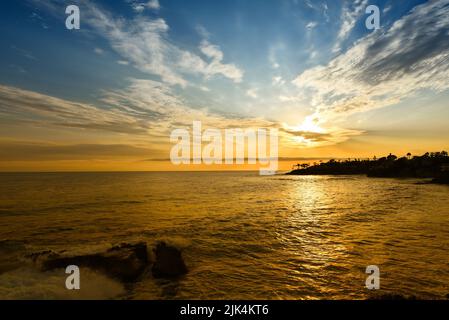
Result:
[{"x": 310, "y": 125}]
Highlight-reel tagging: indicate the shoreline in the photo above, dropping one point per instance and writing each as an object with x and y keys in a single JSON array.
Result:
[{"x": 433, "y": 166}]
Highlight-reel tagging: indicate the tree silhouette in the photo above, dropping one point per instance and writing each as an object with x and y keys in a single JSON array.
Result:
[
  {"x": 391, "y": 157},
  {"x": 429, "y": 165}
]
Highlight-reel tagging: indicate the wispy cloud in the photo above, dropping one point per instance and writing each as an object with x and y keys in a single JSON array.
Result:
[
  {"x": 383, "y": 69},
  {"x": 37, "y": 109},
  {"x": 216, "y": 66},
  {"x": 24, "y": 53},
  {"x": 311, "y": 25},
  {"x": 37, "y": 18},
  {"x": 139, "y": 6},
  {"x": 153, "y": 4},
  {"x": 278, "y": 81},
  {"x": 252, "y": 93},
  {"x": 273, "y": 53},
  {"x": 38, "y": 151},
  {"x": 145, "y": 111},
  {"x": 99, "y": 51},
  {"x": 379, "y": 70},
  {"x": 123, "y": 62},
  {"x": 330, "y": 137},
  {"x": 351, "y": 12},
  {"x": 145, "y": 43}
]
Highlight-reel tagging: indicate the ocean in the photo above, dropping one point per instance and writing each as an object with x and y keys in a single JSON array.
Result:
[{"x": 242, "y": 236}]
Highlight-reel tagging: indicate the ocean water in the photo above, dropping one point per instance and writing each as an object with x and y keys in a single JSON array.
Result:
[{"x": 243, "y": 236}]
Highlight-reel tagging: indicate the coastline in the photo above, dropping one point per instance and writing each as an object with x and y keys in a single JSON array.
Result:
[{"x": 428, "y": 166}]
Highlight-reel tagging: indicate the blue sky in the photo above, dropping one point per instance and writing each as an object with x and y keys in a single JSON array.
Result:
[
  {"x": 284, "y": 63},
  {"x": 251, "y": 34}
]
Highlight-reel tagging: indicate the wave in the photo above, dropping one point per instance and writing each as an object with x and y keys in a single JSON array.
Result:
[{"x": 29, "y": 284}]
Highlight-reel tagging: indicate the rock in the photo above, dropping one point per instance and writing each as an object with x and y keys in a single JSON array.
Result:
[
  {"x": 168, "y": 262},
  {"x": 125, "y": 262}
]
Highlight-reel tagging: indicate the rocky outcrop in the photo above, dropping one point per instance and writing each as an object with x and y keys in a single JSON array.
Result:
[
  {"x": 168, "y": 262},
  {"x": 125, "y": 262}
]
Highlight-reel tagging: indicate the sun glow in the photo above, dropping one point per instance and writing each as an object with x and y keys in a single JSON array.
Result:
[
  {"x": 310, "y": 125},
  {"x": 307, "y": 133}
]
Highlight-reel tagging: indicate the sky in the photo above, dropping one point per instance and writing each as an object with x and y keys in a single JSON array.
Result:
[{"x": 107, "y": 96}]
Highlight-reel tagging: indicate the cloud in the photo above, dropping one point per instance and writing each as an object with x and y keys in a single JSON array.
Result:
[
  {"x": 24, "y": 53},
  {"x": 145, "y": 43},
  {"x": 350, "y": 13},
  {"x": 313, "y": 54},
  {"x": 216, "y": 66},
  {"x": 273, "y": 52},
  {"x": 156, "y": 103},
  {"x": 36, "y": 109},
  {"x": 284, "y": 98},
  {"x": 308, "y": 4},
  {"x": 142, "y": 42},
  {"x": 278, "y": 81},
  {"x": 383, "y": 69},
  {"x": 35, "y": 17},
  {"x": 252, "y": 93},
  {"x": 330, "y": 137},
  {"x": 202, "y": 31},
  {"x": 134, "y": 122},
  {"x": 142, "y": 110},
  {"x": 141, "y": 6},
  {"x": 387, "y": 8},
  {"x": 99, "y": 51},
  {"x": 144, "y": 99},
  {"x": 153, "y": 4},
  {"x": 19, "y": 69},
  {"x": 29, "y": 151},
  {"x": 311, "y": 25},
  {"x": 325, "y": 11}
]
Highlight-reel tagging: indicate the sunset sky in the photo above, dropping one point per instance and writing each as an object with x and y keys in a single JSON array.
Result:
[{"x": 107, "y": 96}]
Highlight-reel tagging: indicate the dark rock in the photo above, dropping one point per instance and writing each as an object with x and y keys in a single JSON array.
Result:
[
  {"x": 168, "y": 262},
  {"x": 125, "y": 262}
]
